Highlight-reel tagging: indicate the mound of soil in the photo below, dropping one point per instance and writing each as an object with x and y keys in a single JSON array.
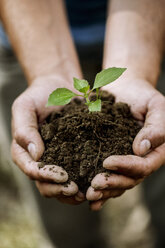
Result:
[{"x": 79, "y": 141}]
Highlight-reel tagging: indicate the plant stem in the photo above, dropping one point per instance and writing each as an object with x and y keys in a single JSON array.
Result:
[
  {"x": 90, "y": 92},
  {"x": 80, "y": 95},
  {"x": 97, "y": 93},
  {"x": 87, "y": 99}
]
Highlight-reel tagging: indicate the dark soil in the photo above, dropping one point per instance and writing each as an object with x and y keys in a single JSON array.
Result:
[{"x": 79, "y": 141}]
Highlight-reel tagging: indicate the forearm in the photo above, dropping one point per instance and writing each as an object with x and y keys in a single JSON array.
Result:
[
  {"x": 135, "y": 37},
  {"x": 39, "y": 33}
]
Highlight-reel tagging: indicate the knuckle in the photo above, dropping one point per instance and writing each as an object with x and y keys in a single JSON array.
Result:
[
  {"x": 16, "y": 104},
  {"x": 29, "y": 171},
  {"x": 147, "y": 170},
  {"x": 17, "y": 133}
]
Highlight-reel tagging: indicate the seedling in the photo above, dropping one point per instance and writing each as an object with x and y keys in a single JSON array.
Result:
[{"x": 62, "y": 96}]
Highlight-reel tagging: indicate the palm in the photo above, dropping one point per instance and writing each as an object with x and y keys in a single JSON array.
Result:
[
  {"x": 147, "y": 106},
  {"x": 137, "y": 93},
  {"x": 29, "y": 109}
]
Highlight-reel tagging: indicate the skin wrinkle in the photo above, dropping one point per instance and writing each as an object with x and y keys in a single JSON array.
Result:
[
  {"x": 111, "y": 182},
  {"x": 23, "y": 103},
  {"x": 40, "y": 46}
]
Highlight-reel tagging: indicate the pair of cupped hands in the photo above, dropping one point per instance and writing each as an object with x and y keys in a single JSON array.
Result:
[{"x": 147, "y": 106}]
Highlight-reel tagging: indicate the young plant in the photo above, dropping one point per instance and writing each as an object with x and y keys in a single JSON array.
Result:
[{"x": 62, "y": 96}]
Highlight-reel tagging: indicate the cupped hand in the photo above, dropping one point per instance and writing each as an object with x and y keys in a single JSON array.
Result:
[
  {"x": 148, "y": 107},
  {"x": 27, "y": 146}
]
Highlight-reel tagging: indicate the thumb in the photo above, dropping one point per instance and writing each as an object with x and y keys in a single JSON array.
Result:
[
  {"x": 25, "y": 129},
  {"x": 152, "y": 134}
]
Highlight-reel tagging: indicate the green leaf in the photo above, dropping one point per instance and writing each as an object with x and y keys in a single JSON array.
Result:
[
  {"x": 107, "y": 76},
  {"x": 60, "y": 96},
  {"x": 81, "y": 85},
  {"x": 95, "y": 106}
]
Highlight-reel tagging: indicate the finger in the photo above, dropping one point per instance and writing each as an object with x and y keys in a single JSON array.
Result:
[
  {"x": 68, "y": 200},
  {"x": 94, "y": 195},
  {"x": 73, "y": 200},
  {"x": 135, "y": 166},
  {"x": 113, "y": 181},
  {"x": 54, "y": 190},
  {"x": 25, "y": 127},
  {"x": 80, "y": 196},
  {"x": 97, "y": 205},
  {"x": 152, "y": 134},
  {"x": 31, "y": 168},
  {"x": 113, "y": 193}
]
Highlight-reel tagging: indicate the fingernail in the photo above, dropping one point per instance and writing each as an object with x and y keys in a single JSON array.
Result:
[
  {"x": 66, "y": 193},
  {"x": 99, "y": 186},
  {"x": 79, "y": 199},
  {"x": 95, "y": 186},
  {"x": 80, "y": 196},
  {"x": 145, "y": 146},
  {"x": 100, "y": 196},
  {"x": 32, "y": 150}
]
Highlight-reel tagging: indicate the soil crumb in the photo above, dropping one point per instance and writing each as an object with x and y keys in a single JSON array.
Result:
[{"x": 79, "y": 141}]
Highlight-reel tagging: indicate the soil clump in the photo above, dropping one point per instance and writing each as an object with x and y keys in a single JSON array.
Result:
[{"x": 79, "y": 141}]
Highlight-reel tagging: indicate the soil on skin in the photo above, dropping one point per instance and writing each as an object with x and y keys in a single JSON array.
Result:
[{"x": 79, "y": 141}]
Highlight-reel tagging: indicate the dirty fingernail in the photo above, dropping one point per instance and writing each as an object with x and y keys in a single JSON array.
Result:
[
  {"x": 80, "y": 196},
  {"x": 101, "y": 185},
  {"x": 145, "y": 146},
  {"x": 66, "y": 193},
  {"x": 100, "y": 196},
  {"x": 32, "y": 150},
  {"x": 79, "y": 199}
]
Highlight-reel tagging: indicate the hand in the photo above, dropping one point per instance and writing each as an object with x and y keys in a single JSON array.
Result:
[
  {"x": 148, "y": 107},
  {"x": 27, "y": 146}
]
